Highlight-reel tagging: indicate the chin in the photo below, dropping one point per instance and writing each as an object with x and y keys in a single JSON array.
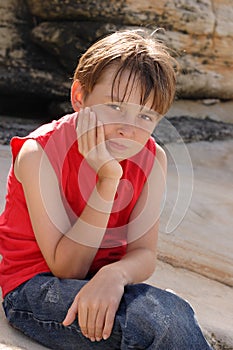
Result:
[{"x": 126, "y": 154}]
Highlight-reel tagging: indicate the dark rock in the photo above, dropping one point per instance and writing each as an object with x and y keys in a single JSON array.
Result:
[
  {"x": 33, "y": 82},
  {"x": 10, "y": 127},
  {"x": 80, "y": 9},
  {"x": 187, "y": 129},
  {"x": 66, "y": 40},
  {"x": 24, "y": 69}
]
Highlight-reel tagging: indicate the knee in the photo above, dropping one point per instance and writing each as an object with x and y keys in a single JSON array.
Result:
[
  {"x": 177, "y": 310},
  {"x": 159, "y": 309},
  {"x": 154, "y": 316}
]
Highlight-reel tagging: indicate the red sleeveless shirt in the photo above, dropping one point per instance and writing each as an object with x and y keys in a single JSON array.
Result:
[{"x": 21, "y": 256}]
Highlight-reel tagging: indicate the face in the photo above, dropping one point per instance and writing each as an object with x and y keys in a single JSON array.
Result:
[{"x": 127, "y": 125}]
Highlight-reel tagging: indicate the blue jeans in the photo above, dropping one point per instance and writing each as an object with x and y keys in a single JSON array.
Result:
[{"x": 147, "y": 318}]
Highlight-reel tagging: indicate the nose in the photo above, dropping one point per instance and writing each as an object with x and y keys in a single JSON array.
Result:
[
  {"x": 126, "y": 130},
  {"x": 127, "y": 127}
]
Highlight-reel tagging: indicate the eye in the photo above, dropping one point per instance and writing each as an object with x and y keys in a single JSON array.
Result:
[
  {"x": 146, "y": 117},
  {"x": 116, "y": 107}
]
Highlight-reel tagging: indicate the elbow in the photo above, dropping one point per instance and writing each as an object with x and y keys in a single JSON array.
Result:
[
  {"x": 149, "y": 272},
  {"x": 69, "y": 273},
  {"x": 151, "y": 265},
  {"x": 69, "y": 267}
]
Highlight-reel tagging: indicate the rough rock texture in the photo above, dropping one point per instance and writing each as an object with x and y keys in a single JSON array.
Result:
[
  {"x": 41, "y": 41},
  {"x": 25, "y": 69},
  {"x": 196, "y": 221}
]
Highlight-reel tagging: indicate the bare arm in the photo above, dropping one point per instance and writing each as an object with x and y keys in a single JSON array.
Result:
[{"x": 139, "y": 262}]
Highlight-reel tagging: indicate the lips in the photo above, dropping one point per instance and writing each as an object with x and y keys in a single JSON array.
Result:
[{"x": 117, "y": 146}]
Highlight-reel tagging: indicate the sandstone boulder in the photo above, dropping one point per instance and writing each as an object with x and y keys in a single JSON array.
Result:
[{"x": 41, "y": 41}]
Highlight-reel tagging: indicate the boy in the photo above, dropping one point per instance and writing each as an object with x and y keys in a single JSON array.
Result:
[{"x": 80, "y": 226}]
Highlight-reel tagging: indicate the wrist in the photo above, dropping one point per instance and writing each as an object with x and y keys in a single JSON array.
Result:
[
  {"x": 106, "y": 189},
  {"x": 114, "y": 176},
  {"x": 107, "y": 184},
  {"x": 111, "y": 170},
  {"x": 108, "y": 180},
  {"x": 115, "y": 270}
]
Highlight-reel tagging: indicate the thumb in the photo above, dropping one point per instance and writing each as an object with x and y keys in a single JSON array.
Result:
[{"x": 71, "y": 314}]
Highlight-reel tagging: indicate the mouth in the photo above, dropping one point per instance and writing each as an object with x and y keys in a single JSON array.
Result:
[{"x": 117, "y": 146}]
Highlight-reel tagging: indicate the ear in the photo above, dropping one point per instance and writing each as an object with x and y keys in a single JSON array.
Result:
[{"x": 76, "y": 95}]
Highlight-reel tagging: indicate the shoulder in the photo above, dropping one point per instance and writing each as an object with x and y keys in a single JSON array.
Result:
[
  {"x": 160, "y": 154},
  {"x": 28, "y": 158},
  {"x": 157, "y": 152},
  {"x": 30, "y": 148},
  {"x": 156, "y": 149},
  {"x": 160, "y": 162}
]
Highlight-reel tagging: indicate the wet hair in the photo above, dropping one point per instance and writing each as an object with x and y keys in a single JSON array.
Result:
[{"x": 145, "y": 59}]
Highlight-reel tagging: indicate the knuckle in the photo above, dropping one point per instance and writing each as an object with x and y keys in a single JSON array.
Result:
[
  {"x": 98, "y": 329},
  {"x": 93, "y": 305},
  {"x": 113, "y": 302},
  {"x": 91, "y": 331},
  {"x": 107, "y": 330},
  {"x": 83, "y": 328}
]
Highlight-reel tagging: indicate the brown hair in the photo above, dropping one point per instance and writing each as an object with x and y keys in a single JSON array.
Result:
[{"x": 137, "y": 52}]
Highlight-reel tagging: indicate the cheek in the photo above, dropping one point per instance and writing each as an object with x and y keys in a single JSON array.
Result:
[
  {"x": 111, "y": 130},
  {"x": 142, "y": 136}
]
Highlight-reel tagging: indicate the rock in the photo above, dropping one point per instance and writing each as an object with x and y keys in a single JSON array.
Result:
[
  {"x": 221, "y": 111},
  {"x": 24, "y": 69},
  {"x": 189, "y": 129},
  {"x": 211, "y": 301},
  {"x": 72, "y": 10},
  {"x": 210, "y": 101},
  {"x": 224, "y": 14},
  {"x": 40, "y": 42},
  {"x": 196, "y": 221},
  {"x": 55, "y": 38},
  {"x": 186, "y": 16},
  {"x": 10, "y": 127},
  {"x": 195, "y": 30}
]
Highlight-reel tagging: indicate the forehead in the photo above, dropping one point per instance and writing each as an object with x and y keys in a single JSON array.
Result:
[{"x": 126, "y": 86}]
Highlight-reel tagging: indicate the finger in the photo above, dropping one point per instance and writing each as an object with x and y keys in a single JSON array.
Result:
[
  {"x": 79, "y": 130},
  {"x": 82, "y": 319},
  {"x": 109, "y": 321},
  {"x": 92, "y": 313},
  {"x": 84, "y": 130},
  {"x": 71, "y": 314},
  {"x": 92, "y": 131},
  {"x": 100, "y": 133},
  {"x": 99, "y": 324},
  {"x": 100, "y": 140}
]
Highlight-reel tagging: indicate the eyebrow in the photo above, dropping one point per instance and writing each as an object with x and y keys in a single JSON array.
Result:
[
  {"x": 112, "y": 97},
  {"x": 147, "y": 111},
  {"x": 142, "y": 109}
]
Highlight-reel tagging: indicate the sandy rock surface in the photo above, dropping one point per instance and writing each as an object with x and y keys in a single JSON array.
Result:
[{"x": 200, "y": 197}]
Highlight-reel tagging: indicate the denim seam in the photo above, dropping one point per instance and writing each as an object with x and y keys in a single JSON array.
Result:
[{"x": 40, "y": 321}]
